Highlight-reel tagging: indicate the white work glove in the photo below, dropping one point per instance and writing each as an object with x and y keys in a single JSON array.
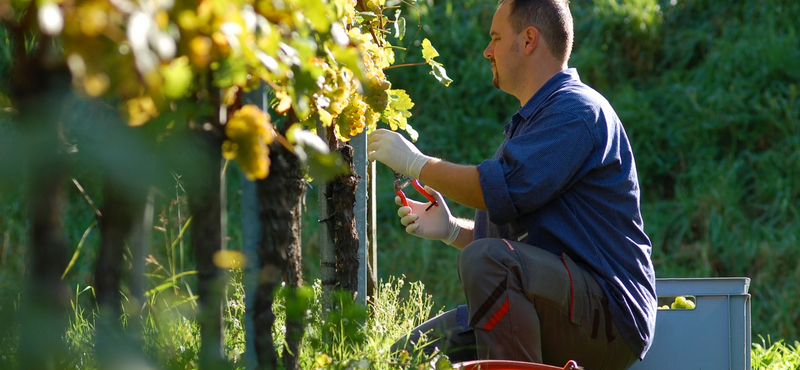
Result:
[
  {"x": 393, "y": 150},
  {"x": 436, "y": 223}
]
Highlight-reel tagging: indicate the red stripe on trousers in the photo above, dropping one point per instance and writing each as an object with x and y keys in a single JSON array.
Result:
[
  {"x": 571, "y": 290},
  {"x": 497, "y": 316}
]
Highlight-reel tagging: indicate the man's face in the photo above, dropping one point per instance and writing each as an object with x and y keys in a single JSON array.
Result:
[{"x": 503, "y": 50}]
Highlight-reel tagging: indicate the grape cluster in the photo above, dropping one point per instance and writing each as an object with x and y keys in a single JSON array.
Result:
[
  {"x": 377, "y": 94},
  {"x": 353, "y": 117},
  {"x": 374, "y": 6},
  {"x": 339, "y": 87},
  {"x": 249, "y": 133},
  {"x": 347, "y": 10},
  {"x": 680, "y": 303}
]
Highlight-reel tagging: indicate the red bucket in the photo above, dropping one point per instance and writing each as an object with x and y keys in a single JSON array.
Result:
[{"x": 511, "y": 365}]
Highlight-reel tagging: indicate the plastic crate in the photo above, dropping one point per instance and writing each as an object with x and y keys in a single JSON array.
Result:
[
  {"x": 713, "y": 335},
  {"x": 511, "y": 365}
]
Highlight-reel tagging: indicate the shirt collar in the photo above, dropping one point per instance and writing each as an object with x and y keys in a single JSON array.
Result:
[{"x": 551, "y": 86}]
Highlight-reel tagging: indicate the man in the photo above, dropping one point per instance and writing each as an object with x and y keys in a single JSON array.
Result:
[{"x": 556, "y": 265}]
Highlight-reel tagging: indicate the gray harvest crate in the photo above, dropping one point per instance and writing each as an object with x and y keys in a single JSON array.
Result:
[{"x": 715, "y": 335}]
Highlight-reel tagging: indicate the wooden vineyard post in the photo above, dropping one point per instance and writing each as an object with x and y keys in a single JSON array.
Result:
[{"x": 363, "y": 223}]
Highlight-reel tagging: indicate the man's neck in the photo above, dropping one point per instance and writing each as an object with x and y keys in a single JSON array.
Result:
[{"x": 542, "y": 73}]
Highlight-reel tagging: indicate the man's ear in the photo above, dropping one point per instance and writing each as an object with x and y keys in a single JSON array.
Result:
[{"x": 531, "y": 39}]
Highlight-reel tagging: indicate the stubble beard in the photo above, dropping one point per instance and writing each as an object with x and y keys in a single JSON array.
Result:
[{"x": 495, "y": 76}]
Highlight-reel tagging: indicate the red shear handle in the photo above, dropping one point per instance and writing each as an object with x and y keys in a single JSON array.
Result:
[
  {"x": 402, "y": 196},
  {"x": 422, "y": 191}
]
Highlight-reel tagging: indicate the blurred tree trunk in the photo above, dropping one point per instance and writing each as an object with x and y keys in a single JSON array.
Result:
[
  {"x": 123, "y": 158},
  {"x": 204, "y": 194},
  {"x": 281, "y": 197},
  {"x": 115, "y": 221},
  {"x": 38, "y": 90},
  {"x": 120, "y": 223},
  {"x": 117, "y": 217}
]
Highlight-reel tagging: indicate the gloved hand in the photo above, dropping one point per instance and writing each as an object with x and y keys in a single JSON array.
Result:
[
  {"x": 436, "y": 223},
  {"x": 393, "y": 150}
]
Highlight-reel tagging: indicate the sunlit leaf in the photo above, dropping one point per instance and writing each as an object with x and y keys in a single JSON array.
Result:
[
  {"x": 326, "y": 166},
  {"x": 413, "y": 134},
  {"x": 177, "y": 78},
  {"x": 96, "y": 84},
  {"x": 200, "y": 51},
  {"x": 322, "y": 361},
  {"x": 399, "y": 25},
  {"x": 441, "y": 75},
  {"x": 228, "y": 259},
  {"x": 366, "y": 16},
  {"x": 399, "y": 100},
  {"x": 315, "y": 12},
  {"x": 428, "y": 51},
  {"x": 296, "y": 301},
  {"x": 307, "y": 139},
  {"x": 140, "y": 110},
  {"x": 339, "y": 35},
  {"x": 325, "y": 117},
  {"x": 187, "y": 19}
]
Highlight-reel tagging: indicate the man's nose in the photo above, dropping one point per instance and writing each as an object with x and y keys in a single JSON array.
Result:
[{"x": 487, "y": 53}]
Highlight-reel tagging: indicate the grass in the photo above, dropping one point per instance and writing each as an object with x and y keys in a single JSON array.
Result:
[
  {"x": 769, "y": 355},
  {"x": 340, "y": 334},
  {"x": 349, "y": 336}
]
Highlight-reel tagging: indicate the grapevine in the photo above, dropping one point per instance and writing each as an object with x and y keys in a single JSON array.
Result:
[{"x": 323, "y": 60}]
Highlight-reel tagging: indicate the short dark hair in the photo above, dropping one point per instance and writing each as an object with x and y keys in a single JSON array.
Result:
[{"x": 551, "y": 17}]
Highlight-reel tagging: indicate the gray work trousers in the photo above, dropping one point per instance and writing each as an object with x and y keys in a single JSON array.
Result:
[{"x": 525, "y": 304}]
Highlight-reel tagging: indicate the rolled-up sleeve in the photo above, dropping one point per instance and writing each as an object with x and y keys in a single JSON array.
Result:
[
  {"x": 498, "y": 200},
  {"x": 534, "y": 166}
]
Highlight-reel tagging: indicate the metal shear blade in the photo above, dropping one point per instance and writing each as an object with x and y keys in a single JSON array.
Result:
[{"x": 401, "y": 181}]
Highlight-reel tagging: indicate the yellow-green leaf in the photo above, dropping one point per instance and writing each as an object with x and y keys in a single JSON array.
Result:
[
  {"x": 428, "y": 51},
  {"x": 177, "y": 78},
  {"x": 413, "y": 134},
  {"x": 399, "y": 26},
  {"x": 325, "y": 117},
  {"x": 399, "y": 100},
  {"x": 316, "y": 13},
  {"x": 438, "y": 71}
]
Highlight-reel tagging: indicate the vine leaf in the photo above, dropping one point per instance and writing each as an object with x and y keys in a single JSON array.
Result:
[
  {"x": 323, "y": 164},
  {"x": 437, "y": 69},
  {"x": 428, "y": 51},
  {"x": 399, "y": 25},
  {"x": 315, "y": 12},
  {"x": 177, "y": 78},
  {"x": 397, "y": 112}
]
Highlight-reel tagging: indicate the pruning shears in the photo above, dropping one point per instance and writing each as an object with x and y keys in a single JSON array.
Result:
[{"x": 401, "y": 181}]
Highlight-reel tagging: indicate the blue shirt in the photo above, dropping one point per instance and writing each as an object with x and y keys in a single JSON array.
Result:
[{"x": 564, "y": 179}]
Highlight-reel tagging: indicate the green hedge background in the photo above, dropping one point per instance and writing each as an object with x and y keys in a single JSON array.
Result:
[{"x": 709, "y": 93}]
